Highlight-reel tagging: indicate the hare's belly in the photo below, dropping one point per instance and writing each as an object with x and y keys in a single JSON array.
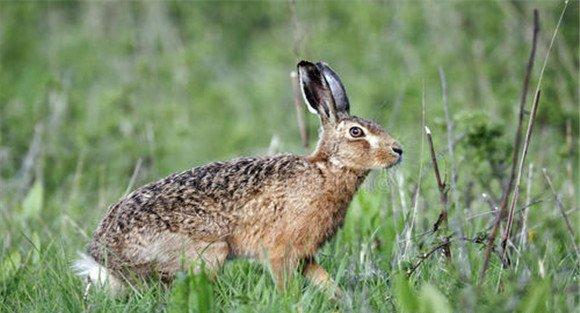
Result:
[{"x": 295, "y": 235}]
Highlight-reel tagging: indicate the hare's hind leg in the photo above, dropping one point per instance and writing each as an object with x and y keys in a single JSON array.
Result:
[
  {"x": 315, "y": 273},
  {"x": 170, "y": 252},
  {"x": 210, "y": 256},
  {"x": 201, "y": 255}
]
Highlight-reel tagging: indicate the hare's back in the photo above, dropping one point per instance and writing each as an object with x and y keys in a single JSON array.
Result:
[
  {"x": 204, "y": 200},
  {"x": 230, "y": 183}
]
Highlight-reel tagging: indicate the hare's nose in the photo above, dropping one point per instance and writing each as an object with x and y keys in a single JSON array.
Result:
[
  {"x": 396, "y": 147},
  {"x": 398, "y": 150}
]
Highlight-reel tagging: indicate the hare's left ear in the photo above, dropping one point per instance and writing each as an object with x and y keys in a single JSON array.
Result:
[
  {"x": 337, "y": 89},
  {"x": 317, "y": 92}
]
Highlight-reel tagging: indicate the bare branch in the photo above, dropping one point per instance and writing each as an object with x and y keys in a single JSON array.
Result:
[
  {"x": 443, "y": 190},
  {"x": 527, "y": 140},
  {"x": 517, "y": 143},
  {"x": 440, "y": 183},
  {"x": 425, "y": 256}
]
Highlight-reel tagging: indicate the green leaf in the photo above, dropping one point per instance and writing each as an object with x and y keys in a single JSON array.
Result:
[
  {"x": 535, "y": 300},
  {"x": 32, "y": 204},
  {"x": 432, "y": 300},
  {"x": 9, "y": 265},
  {"x": 406, "y": 299},
  {"x": 192, "y": 293},
  {"x": 180, "y": 294},
  {"x": 35, "y": 251},
  {"x": 201, "y": 297}
]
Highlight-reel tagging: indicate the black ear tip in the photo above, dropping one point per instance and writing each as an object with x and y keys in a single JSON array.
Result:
[{"x": 304, "y": 63}]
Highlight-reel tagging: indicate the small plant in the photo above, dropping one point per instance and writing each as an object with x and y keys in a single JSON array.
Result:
[
  {"x": 192, "y": 292},
  {"x": 485, "y": 144}
]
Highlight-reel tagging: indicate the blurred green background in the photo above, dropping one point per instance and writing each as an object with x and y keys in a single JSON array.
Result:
[{"x": 88, "y": 90}]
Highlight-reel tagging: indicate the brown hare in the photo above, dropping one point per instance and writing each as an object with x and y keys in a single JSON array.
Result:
[{"x": 276, "y": 209}]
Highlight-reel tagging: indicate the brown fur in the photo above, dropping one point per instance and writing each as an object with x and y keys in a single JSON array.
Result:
[{"x": 277, "y": 209}]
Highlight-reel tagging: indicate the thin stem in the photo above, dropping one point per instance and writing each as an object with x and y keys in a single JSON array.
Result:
[
  {"x": 520, "y": 171},
  {"x": 297, "y": 47},
  {"x": 418, "y": 191},
  {"x": 440, "y": 183},
  {"x": 561, "y": 208},
  {"x": 302, "y": 125},
  {"x": 427, "y": 255},
  {"x": 449, "y": 124},
  {"x": 523, "y": 235}
]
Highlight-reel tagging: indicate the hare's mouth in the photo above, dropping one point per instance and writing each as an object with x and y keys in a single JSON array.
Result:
[{"x": 397, "y": 162}]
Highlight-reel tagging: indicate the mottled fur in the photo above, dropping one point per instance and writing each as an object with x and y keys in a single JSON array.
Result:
[{"x": 277, "y": 209}]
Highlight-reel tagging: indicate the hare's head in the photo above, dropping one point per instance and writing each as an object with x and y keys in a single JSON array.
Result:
[{"x": 346, "y": 141}]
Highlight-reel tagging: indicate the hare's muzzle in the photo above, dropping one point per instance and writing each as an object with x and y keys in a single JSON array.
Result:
[{"x": 396, "y": 151}]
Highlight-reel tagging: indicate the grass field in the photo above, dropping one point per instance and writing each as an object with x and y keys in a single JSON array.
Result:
[{"x": 98, "y": 98}]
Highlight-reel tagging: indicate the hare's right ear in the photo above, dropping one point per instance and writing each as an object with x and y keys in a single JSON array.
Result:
[
  {"x": 336, "y": 88},
  {"x": 316, "y": 92}
]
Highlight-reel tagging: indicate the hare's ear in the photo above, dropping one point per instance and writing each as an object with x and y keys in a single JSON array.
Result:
[
  {"x": 316, "y": 92},
  {"x": 336, "y": 87}
]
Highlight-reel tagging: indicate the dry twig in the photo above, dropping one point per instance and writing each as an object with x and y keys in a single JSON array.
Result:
[
  {"x": 514, "y": 200},
  {"x": 443, "y": 190},
  {"x": 517, "y": 143},
  {"x": 427, "y": 255}
]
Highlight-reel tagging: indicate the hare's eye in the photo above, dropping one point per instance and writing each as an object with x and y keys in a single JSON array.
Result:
[{"x": 356, "y": 132}]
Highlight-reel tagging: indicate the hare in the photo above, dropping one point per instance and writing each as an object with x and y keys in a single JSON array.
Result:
[{"x": 276, "y": 209}]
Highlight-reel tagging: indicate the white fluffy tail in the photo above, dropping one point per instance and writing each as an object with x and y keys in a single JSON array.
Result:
[{"x": 94, "y": 273}]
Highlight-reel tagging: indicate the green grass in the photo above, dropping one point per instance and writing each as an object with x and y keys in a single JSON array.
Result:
[{"x": 89, "y": 89}]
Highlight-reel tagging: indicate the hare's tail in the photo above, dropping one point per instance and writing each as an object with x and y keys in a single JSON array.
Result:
[{"x": 96, "y": 274}]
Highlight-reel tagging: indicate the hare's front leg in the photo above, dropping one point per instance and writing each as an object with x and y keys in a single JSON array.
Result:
[
  {"x": 318, "y": 276},
  {"x": 283, "y": 262},
  {"x": 282, "y": 268}
]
